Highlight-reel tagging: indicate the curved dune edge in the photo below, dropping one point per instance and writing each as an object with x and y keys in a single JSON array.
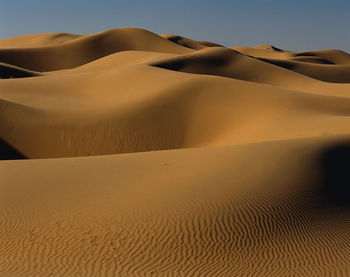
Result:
[
  {"x": 8, "y": 71},
  {"x": 172, "y": 156}
]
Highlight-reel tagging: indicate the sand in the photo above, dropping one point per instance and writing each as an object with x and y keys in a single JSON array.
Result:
[{"x": 127, "y": 153}]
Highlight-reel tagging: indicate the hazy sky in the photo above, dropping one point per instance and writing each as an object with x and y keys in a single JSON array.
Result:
[{"x": 294, "y": 25}]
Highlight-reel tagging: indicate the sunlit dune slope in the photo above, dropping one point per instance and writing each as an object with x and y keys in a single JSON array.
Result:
[
  {"x": 127, "y": 153},
  {"x": 257, "y": 209}
]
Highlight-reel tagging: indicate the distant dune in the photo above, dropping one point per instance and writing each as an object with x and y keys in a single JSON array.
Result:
[{"x": 172, "y": 157}]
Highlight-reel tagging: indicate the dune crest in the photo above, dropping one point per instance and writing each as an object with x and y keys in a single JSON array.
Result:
[{"x": 127, "y": 153}]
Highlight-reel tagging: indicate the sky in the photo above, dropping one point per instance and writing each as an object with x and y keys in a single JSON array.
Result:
[{"x": 292, "y": 25}]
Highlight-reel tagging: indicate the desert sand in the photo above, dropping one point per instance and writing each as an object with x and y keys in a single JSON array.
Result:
[{"x": 127, "y": 153}]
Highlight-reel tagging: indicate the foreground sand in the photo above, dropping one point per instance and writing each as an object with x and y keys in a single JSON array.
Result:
[{"x": 252, "y": 178}]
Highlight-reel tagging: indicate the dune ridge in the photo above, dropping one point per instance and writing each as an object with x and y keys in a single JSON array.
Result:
[
  {"x": 127, "y": 153},
  {"x": 85, "y": 49}
]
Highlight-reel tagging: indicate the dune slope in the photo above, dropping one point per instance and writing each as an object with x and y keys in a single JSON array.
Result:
[{"x": 127, "y": 153}]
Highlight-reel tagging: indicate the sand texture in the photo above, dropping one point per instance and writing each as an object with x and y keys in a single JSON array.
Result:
[{"x": 127, "y": 153}]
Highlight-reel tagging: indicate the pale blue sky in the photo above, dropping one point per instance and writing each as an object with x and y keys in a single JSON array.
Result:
[{"x": 294, "y": 25}]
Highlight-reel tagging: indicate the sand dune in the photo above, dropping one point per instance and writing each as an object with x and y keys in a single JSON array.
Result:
[
  {"x": 189, "y": 43},
  {"x": 171, "y": 156},
  {"x": 37, "y": 40},
  {"x": 11, "y": 71},
  {"x": 325, "y": 72},
  {"x": 86, "y": 49},
  {"x": 334, "y": 56}
]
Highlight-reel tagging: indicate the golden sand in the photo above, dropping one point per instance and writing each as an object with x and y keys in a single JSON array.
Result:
[{"x": 172, "y": 157}]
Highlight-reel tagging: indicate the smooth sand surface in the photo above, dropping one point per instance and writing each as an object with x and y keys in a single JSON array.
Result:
[{"x": 127, "y": 153}]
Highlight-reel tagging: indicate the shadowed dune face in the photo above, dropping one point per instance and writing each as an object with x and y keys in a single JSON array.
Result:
[
  {"x": 333, "y": 56},
  {"x": 8, "y": 72},
  {"x": 235, "y": 161},
  {"x": 189, "y": 43},
  {"x": 311, "y": 59},
  {"x": 9, "y": 153},
  {"x": 336, "y": 169},
  {"x": 316, "y": 68}
]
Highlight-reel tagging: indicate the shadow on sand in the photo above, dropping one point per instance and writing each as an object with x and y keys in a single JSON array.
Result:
[
  {"x": 335, "y": 165},
  {"x": 7, "y": 152}
]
